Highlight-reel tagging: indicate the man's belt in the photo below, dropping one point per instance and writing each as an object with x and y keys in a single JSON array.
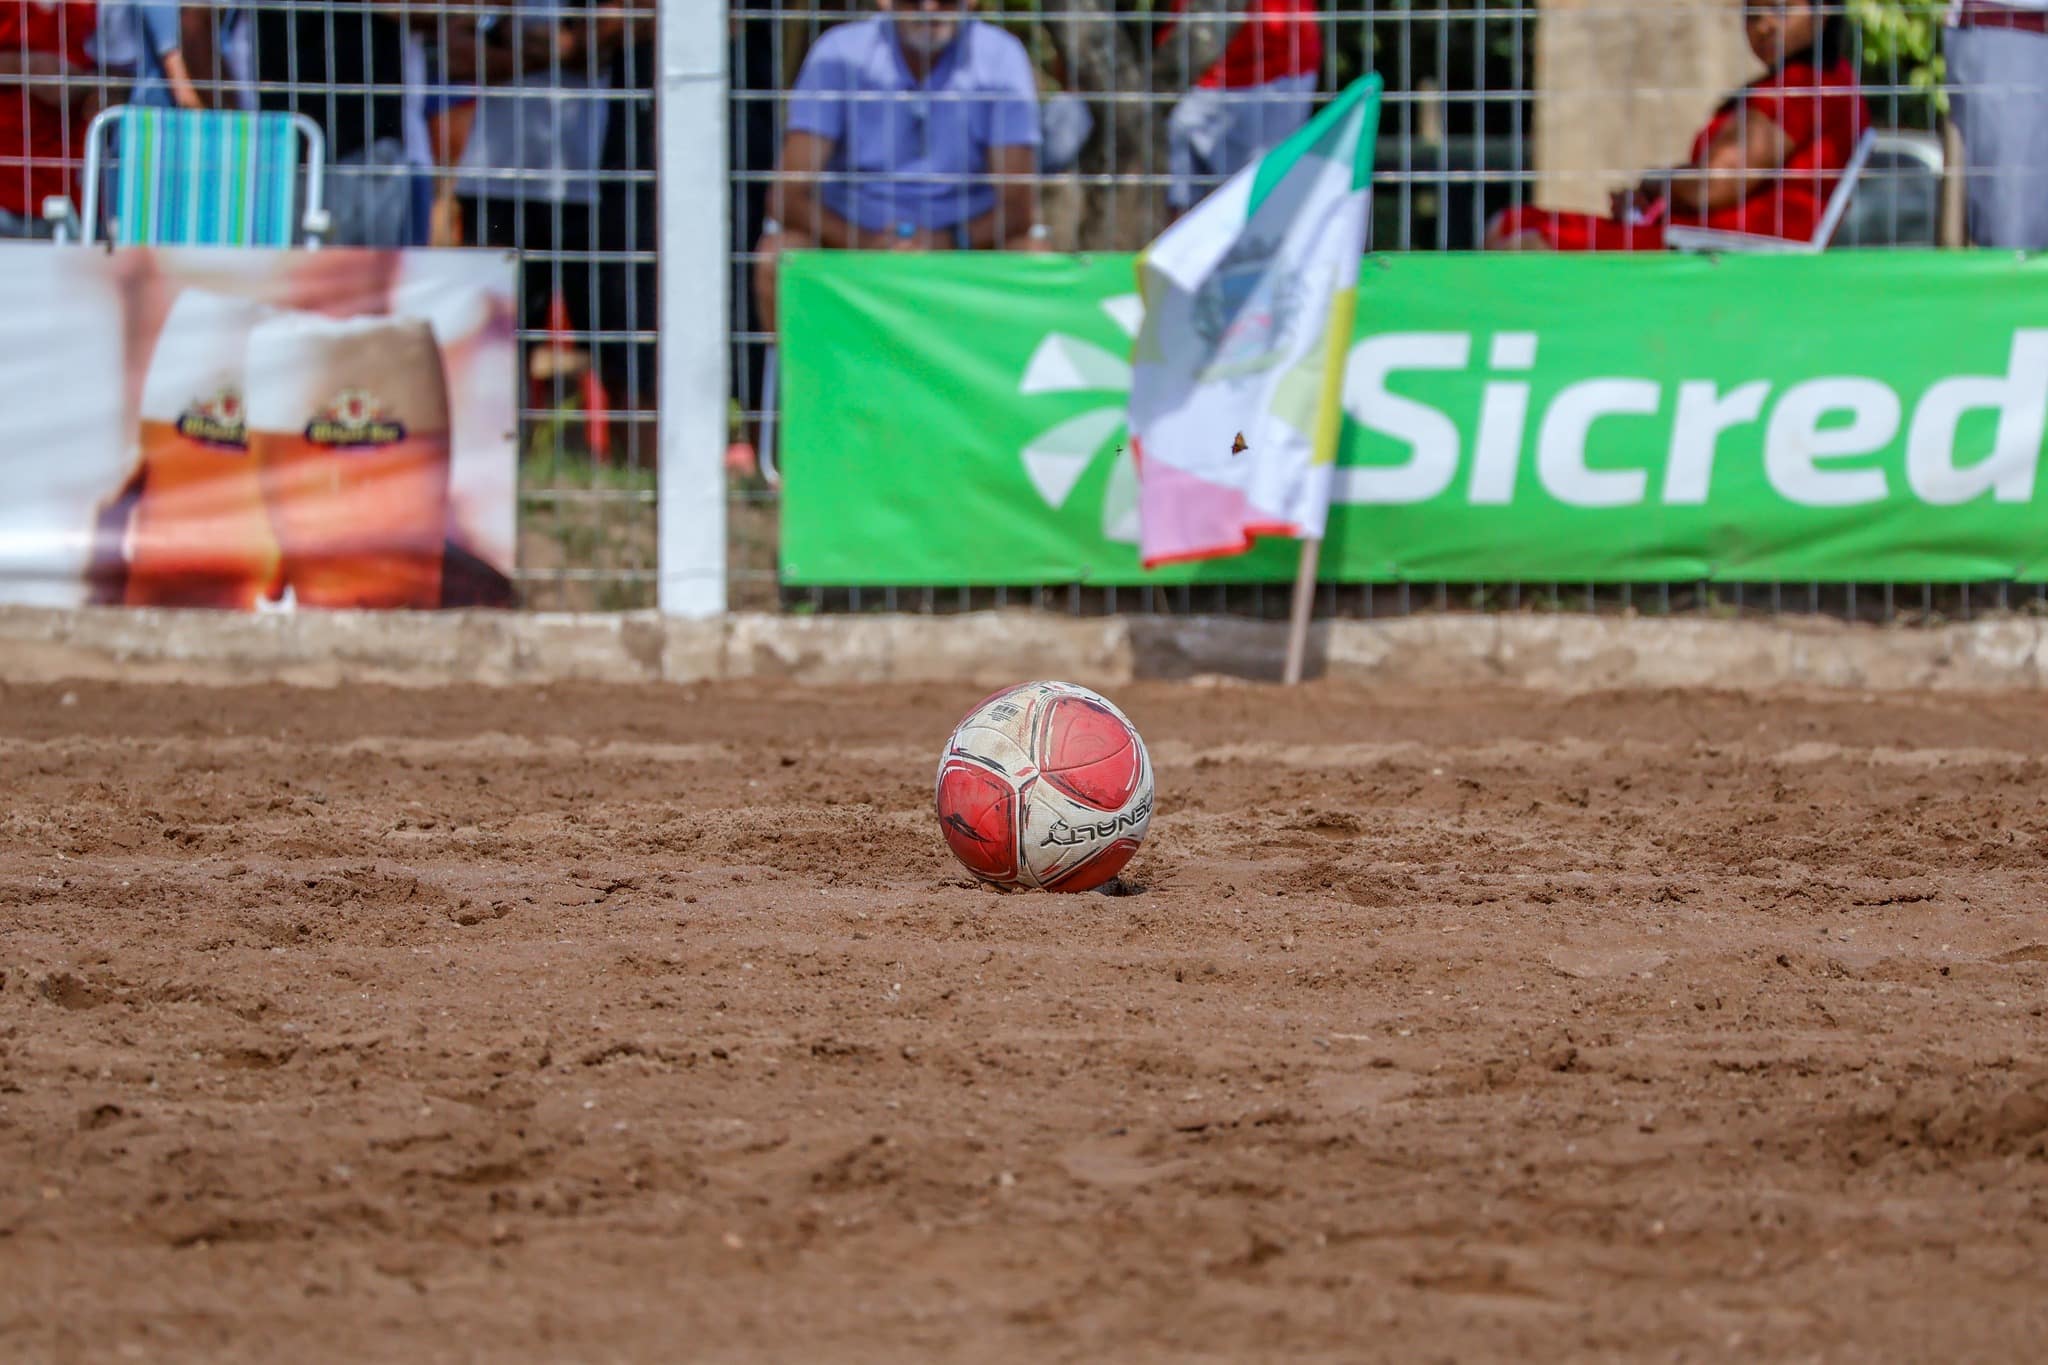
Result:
[{"x": 1984, "y": 14}]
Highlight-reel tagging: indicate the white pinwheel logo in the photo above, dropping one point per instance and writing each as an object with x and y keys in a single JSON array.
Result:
[{"x": 1056, "y": 458}]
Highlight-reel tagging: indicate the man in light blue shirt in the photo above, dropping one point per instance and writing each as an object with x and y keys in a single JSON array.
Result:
[{"x": 915, "y": 130}]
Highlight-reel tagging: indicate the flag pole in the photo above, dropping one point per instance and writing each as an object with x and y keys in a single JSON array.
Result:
[{"x": 1304, "y": 608}]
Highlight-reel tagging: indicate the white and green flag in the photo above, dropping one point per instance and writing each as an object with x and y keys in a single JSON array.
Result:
[{"x": 1237, "y": 383}]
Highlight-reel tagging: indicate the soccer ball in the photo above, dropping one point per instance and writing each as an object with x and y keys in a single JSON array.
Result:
[{"x": 1045, "y": 784}]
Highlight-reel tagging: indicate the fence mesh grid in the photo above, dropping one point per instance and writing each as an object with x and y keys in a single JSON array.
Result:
[
  {"x": 530, "y": 126},
  {"x": 525, "y": 126},
  {"x": 1490, "y": 108}
]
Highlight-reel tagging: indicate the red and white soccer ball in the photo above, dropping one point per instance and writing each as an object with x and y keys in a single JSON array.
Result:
[{"x": 1045, "y": 785}]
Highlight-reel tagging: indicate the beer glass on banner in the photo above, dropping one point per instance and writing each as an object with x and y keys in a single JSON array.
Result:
[
  {"x": 348, "y": 421},
  {"x": 200, "y": 536}
]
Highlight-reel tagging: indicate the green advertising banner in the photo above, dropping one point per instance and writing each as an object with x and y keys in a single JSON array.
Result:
[{"x": 957, "y": 419}]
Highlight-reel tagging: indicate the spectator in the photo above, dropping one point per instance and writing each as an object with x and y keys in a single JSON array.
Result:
[
  {"x": 527, "y": 176},
  {"x": 1998, "y": 71},
  {"x": 913, "y": 130},
  {"x": 448, "y": 107},
  {"x": 1260, "y": 91},
  {"x": 627, "y": 290},
  {"x": 343, "y": 64},
  {"x": 1765, "y": 163},
  {"x": 218, "y": 45},
  {"x": 146, "y": 37},
  {"x": 42, "y": 120}
]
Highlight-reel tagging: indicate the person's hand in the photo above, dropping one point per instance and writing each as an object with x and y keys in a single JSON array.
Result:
[
  {"x": 1624, "y": 205},
  {"x": 924, "y": 239},
  {"x": 68, "y": 96},
  {"x": 888, "y": 239},
  {"x": 542, "y": 46}
]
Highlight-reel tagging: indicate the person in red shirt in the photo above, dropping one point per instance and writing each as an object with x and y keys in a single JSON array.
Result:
[
  {"x": 43, "y": 121},
  {"x": 1260, "y": 90},
  {"x": 1765, "y": 164}
]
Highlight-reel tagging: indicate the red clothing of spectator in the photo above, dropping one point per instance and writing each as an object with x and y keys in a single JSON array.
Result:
[
  {"x": 1823, "y": 115},
  {"x": 1276, "y": 38},
  {"x": 41, "y": 144}
]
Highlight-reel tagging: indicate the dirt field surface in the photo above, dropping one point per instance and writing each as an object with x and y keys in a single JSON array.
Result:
[{"x": 612, "y": 1024}]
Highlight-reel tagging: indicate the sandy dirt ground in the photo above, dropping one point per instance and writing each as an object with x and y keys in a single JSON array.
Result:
[{"x": 595, "y": 1024}]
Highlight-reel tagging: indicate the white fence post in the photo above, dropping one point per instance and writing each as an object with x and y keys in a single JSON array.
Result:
[{"x": 692, "y": 184}]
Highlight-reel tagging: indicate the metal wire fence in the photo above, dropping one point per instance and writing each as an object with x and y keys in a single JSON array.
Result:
[
  {"x": 1491, "y": 110},
  {"x": 531, "y": 126},
  {"x": 527, "y": 126}
]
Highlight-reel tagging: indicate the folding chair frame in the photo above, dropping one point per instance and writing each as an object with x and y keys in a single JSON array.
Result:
[
  {"x": 1714, "y": 239},
  {"x": 313, "y": 223}
]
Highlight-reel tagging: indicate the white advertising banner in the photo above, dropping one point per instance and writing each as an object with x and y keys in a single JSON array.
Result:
[{"x": 257, "y": 430}]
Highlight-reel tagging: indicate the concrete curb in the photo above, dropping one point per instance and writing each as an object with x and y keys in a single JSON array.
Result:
[{"x": 1564, "y": 653}]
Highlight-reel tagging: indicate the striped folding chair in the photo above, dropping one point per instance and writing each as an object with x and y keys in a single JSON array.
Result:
[{"x": 204, "y": 177}]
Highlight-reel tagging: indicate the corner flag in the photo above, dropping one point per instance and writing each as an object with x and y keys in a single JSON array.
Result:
[{"x": 1238, "y": 376}]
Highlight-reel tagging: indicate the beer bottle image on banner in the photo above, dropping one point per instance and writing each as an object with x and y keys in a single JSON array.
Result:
[
  {"x": 348, "y": 422},
  {"x": 200, "y": 535}
]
